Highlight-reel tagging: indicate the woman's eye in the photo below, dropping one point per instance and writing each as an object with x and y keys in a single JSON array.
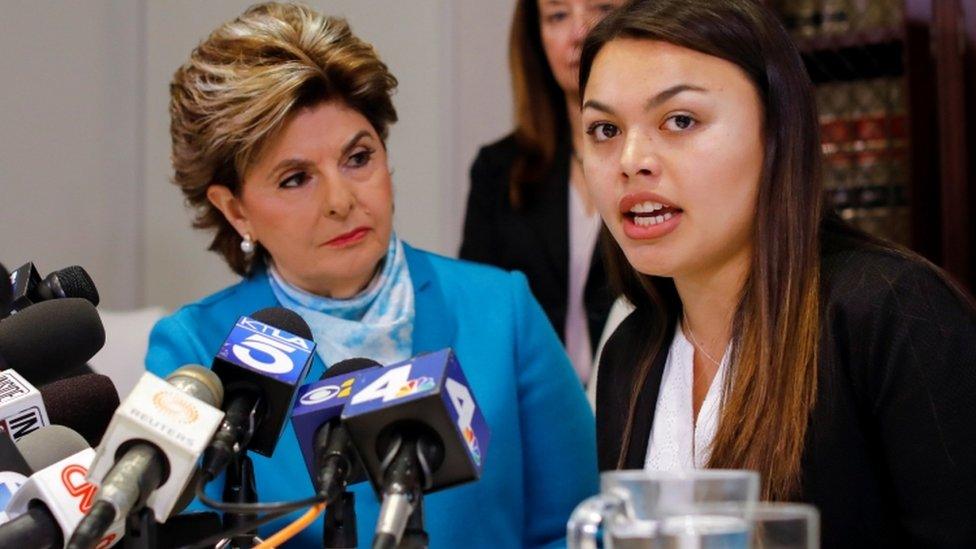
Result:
[
  {"x": 293, "y": 181},
  {"x": 605, "y": 8},
  {"x": 679, "y": 122},
  {"x": 555, "y": 17},
  {"x": 360, "y": 158},
  {"x": 602, "y": 131}
]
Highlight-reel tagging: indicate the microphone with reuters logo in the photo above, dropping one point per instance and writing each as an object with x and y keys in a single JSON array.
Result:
[
  {"x": 163, "y": 425},
  {"x": 175, "y": 407}
]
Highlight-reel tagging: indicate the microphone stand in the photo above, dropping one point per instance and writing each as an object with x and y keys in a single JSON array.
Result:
[
  {"x": 414, "y": 535},
  {"x": 240, "y": 487},
  {"x": 339, "y": 531},
  {"x": 140, "y": 530}
]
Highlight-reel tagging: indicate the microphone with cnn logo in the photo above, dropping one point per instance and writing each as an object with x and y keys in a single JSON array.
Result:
[
  {"x": 52, "y": 502},
  {"x": 150, "y": 450}
]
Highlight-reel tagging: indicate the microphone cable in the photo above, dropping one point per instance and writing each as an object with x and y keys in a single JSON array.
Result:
[
  {"x": 290, "y": 531},
  {"x": 301, "y": 523},
  {"x": 253, "y": 508},
  {"x": 236, "y": 531}
]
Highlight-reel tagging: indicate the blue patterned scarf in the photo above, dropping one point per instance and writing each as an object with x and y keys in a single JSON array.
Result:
[{"x": 377, "y": 323}]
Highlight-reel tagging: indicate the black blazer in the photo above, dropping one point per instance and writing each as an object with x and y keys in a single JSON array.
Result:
[
  {"x": 535, "y": 239},
  {"x": 890, "y": 457}
]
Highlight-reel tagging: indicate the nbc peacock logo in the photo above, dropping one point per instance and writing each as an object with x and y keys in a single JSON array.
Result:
[
  {"x": 413, "y": 386},
  {"x": 472, "y": 441}
]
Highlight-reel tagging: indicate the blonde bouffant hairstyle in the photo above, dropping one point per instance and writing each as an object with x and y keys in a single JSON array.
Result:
[{"x": 239, "y": 87}]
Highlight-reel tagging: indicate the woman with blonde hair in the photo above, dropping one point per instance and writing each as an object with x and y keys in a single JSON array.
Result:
[{"x": 279, "y": 126}]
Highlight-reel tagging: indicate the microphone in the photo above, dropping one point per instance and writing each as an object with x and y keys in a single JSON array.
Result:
[
  {"x": 418, "y": 429},
  {"x": 27, "y": 287},
  {"x": 331, "y": 459},
  {"x": 49, "y": 445},
  {"x": 84, "y": 403},
  {"x": 6, "y": 292},
  {"x": 22, "y": 409},
  {"x": 42, "y": 341},
  {"x": 38, "y": 450},
  {"x": 157, "y": 435},
  {"x": 14, "y": 471},
  {"x": 52, "y": 501},
  {"x": 12, "y": 459},
  {"x": 261, "y": 364}
]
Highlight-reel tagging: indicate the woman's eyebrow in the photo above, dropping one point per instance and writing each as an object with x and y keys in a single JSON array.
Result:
[
  {"x": 652, "y": 102},
  {"x": 353, "y": 141},
  {"x": 663, "y": 96},
  {"x": 288, "y": 164}
]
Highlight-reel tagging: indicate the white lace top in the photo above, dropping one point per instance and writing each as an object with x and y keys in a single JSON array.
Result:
[{"x": 676, "y": 442}]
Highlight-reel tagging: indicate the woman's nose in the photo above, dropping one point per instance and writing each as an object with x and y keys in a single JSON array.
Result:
[
  {"x": 339, "y": 200},
  {"x": 638, "y": 157}
]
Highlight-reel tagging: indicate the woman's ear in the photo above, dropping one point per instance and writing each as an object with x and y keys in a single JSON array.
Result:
[{"x": 224, "y": 200}]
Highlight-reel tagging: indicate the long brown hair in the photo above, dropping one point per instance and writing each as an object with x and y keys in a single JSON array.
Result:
[
  {"x": 771, "y": 388},
  {"x": 540, "y": 105}
]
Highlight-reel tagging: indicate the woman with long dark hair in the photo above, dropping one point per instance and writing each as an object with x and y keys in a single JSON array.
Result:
[
  {"x": 768, "y": 335},
  {"x": 528, "y": 209}
]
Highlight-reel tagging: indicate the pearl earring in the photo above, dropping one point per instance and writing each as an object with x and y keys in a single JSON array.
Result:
[{"x": 247, "y": 245}]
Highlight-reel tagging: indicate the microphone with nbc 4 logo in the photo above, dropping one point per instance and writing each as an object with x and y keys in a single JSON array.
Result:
[{"x": 413, "y": 427}]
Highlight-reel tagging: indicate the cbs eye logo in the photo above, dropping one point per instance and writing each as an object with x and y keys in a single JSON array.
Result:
[
  {"x": 327, "y": 392},
  {"x": 175, "y": 407}
]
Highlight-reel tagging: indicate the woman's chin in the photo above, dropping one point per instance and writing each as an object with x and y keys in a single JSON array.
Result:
[{"x": 652, "y": 264}]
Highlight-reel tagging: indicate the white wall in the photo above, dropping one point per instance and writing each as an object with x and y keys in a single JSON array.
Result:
[
  {"x": 84, "y": 143},
  {"x": 71, "y": 141}
]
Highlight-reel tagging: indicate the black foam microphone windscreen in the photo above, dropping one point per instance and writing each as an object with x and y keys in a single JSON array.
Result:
[
  {"x": 284, "y": 319},
  {"x": 48, "y": 337},
  {"x": 84, "y": 403},
  {"x": 49, "y": 445},
  {"x": 349, "y": 365},
  {"x": 71, "y": 281},
  {"x": 28, "y": 288}
]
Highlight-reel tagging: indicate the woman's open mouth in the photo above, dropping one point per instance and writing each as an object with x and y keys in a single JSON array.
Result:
[{"x": 646, "y": 219}]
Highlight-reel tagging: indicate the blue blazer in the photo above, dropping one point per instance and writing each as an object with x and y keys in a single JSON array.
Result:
[{"x": 541, "y": 460}]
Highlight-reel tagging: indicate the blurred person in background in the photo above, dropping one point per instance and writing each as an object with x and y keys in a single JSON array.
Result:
[
  {"x": 279, "y": 122},
  {"x": 528, "y": 209},
  {"x": 768, "y": 334}
]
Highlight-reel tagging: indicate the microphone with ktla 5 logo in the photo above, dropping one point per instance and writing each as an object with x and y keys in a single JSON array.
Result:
[
  {"x": 261, "y": 363},
  {"x": 52, "y": 502},
  {"x": 150, "y": 450},
  {"x": 418, "y": 429}
]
